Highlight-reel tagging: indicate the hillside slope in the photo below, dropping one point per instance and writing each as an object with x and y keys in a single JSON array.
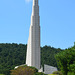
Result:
[{"x": 12, "y": 55}]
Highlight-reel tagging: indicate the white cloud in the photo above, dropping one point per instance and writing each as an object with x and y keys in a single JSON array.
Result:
[{"x": 28, "y": 0}]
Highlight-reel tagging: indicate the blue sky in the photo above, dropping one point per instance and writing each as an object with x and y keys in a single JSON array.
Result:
[{"x": 57, "y": 21}]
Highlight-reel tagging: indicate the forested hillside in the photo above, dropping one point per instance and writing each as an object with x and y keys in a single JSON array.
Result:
[{"x": 12, "y": 55}]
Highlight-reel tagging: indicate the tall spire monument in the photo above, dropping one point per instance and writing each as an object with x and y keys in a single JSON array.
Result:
[{"x": 33, "y": 47}]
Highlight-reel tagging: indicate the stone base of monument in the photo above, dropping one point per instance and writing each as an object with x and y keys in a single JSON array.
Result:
[{"x": 47, "y": 69}]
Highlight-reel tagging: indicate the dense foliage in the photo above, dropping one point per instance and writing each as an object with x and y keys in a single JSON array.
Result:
[
  {"x": 48, "y": 55},
  {"x": 12, "y": 55},
  {"x": 66, "y": 61},
  {"x": 24, "y": 70},
  {"x": 40, "y": 73},
  {"x": 58, "y": 72}
]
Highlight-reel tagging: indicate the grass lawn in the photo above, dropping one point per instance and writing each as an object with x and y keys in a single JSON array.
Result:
[{"x": 1, "y": 74}]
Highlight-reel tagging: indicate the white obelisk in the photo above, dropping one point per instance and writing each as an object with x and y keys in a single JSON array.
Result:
[{"x": 33, "y": 47}]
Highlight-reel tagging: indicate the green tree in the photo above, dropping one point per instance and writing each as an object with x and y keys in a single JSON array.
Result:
[{"x": 65, "y": 60}]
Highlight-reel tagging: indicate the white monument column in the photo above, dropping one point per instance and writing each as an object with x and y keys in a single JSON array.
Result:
[{"x": 33, "y": 47}]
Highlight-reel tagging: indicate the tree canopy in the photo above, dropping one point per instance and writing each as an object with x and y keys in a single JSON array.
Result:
[
  {"x": 66, "y": 60},
  {"x": 12, "y": 55}
]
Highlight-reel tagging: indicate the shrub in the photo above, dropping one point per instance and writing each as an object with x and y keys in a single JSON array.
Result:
[
  {"x": 39, "y": 73},
  {"x": 23, "y": 70},
  {"x": 71, "y": 73},
  {"x": 58, "y": 72},
  {"x": 35, "y": 70}
]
